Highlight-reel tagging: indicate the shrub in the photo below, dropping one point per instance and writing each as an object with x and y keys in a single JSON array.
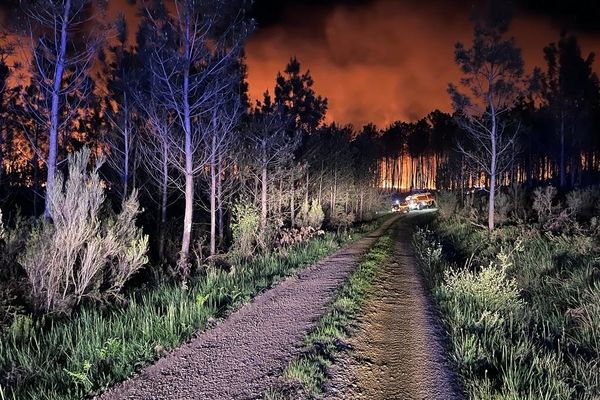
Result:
[
  {"x": 13, "y": 289},
  {"x": 544, "y": 203},
  {"x": 311, "y": 215},
  {"x": 79, "y": 254},
  {"x": 12, "y": 241},
  {"x": 525, "y": 326},
  {"x": 476, "y": 207},
  {"x": 582, "y": 202},
  {"x": 503, "y": 207},
  {"x": 519, "y": 198},
  {"x": 245, "y": 226},
  {"x": 290, "y": 236},
  {"x": 489, "y": 288},
  {"x": 551, "y": 213},
  {"x": 447, "y": 203},
  {"x": 428, "y": 250},
  {"x": 341, "y": 219}
]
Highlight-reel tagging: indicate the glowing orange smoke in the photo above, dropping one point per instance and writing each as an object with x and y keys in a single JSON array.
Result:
[{"x": 384, "y": 61}]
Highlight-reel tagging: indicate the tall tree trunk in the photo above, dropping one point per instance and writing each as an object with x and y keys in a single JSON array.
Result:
[
  {"x": 220, "y": 222},
  {"x": 321, "y": 185},
  {"x": 163, "y": 200},
  {"x": 126, "y": 143},
  {"x": 213, "y": 195},
  {"x": 189, "y": 171},
  {"x": 334, "y": 193},
  {"x": 360, "y": 207},
  {"x": 54, "y": 111},
  {"x": 263, "y": 193},
  {"x": 307, "y": 186},
  {"x": 280, "y": 199},
  {"x": 493, "y": 166},
  {"x": 36, "y": 176},
  {"x": 562, "y": 171},
  {"x": 292, "y": 201},
  {"x": 394, "y": 162}
]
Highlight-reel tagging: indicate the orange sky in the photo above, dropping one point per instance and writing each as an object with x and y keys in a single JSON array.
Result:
[
  {"x": 377, "y": 62},
  {"x": 382, "y": 62}
]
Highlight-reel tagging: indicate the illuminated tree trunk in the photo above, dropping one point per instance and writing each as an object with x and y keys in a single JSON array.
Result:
[
  {"x": 360, "y": 206},
  {"x": 126, "y": 148},
  {"x": 213, "y": 195},
  {"x": 307, "y": 185},
  {"x": 54, "y": 110},
  {"x": 220, "y": 200},
  {"x": 493, "y": 160},
  {"x": 36, "y": 175},
  {"x": 188, "y": 171},
  {"x": 163, "y": 199},
  {"x": 292, "y": 200},
  {"x": 263, "y": 191}
]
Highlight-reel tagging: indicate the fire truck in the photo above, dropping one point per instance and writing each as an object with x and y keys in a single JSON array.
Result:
[{"x": 420, "y": 201}]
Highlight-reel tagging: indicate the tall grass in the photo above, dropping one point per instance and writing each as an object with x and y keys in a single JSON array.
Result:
[
  {"x": 82, "y": 356},
  {"x": 308, "y": 371},
  {"x": 521, "y": 308}
]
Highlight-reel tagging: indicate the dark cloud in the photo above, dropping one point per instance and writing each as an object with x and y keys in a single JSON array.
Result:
[
  {"x": 382, "y": 60},
  {"x": 582, "y": 15},
  {"x": 379, "y": 61}
]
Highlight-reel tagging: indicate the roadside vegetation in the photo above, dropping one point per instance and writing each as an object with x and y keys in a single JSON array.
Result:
[
  {"x": 80, "y": 309},
  {"x": 49, "y": 358},
  {"x": 521, "y": 304},
  {"x": 304, "y": 376}
]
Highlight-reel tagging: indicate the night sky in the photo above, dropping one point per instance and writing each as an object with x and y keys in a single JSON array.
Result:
[{"x": 383, "y": 60}]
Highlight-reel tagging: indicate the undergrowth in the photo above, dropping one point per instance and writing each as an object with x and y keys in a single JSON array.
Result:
[
  {"x": 521, "y": 308},
  {"x": 84, "y": 355},
  {"x": 306, "y": 374}
]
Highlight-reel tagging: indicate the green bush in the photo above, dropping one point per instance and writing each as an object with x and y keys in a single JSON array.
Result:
[
  {"x": 80, "y": 253},
  {"x": 245, "y": 227},
  {"x": 340, "y": 219},
  {"x": 525, "y": 326},
  {"x": 311, "y": 215},
  {"x": 487, "y": 289}
]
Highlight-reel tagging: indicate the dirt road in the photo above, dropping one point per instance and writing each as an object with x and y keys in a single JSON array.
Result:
[
  {"x": 398, "y": 346},
  {"x": 241, "y": 357}
]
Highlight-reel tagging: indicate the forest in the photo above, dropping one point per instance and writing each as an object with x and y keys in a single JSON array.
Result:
[{"x": 144, "y": 194}]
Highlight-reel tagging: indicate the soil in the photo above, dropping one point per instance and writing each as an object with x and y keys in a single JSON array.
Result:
[
  {"x": 242, "y": 356},
  {"x": 398, "y": 347}
]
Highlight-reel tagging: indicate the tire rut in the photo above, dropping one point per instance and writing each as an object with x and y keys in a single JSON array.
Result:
[
  {"x": 242, "y": 356},
  {"x": 398, "y": 348}
]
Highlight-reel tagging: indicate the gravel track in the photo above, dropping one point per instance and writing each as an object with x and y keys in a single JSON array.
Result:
[
  {"x": 242, "y": 356},
  {"x": 398, "y": 347}
]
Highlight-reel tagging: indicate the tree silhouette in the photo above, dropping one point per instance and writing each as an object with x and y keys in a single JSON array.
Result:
[
  {"x": 294, "y": 91},
  {"x": 569, "y": 87},
  {"x": 492, "y": 73}
]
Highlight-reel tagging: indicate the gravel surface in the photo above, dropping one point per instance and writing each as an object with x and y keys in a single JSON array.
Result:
[
  {"x": 241, "y": 357},
  {"x": 398, "y": 347}
]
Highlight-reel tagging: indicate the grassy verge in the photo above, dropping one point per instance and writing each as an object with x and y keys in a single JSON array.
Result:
[
  {"x": 81, "y": 356},
  {"x": 307, "y": 373},
  {"x": 521, "y": 308}
]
